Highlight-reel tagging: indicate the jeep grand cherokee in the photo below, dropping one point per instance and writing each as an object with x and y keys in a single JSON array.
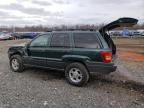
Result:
[{"x": 77, "y": 53}]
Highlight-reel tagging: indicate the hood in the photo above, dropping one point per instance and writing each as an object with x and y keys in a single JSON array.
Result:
[
  {"x": 17, "y": 47},
  {"x": 121, "y": 22}
]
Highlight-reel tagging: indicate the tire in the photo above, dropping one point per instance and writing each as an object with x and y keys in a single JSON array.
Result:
[
  {"x": 80, "y": 78},
  {"x": 19, "y": 67}
]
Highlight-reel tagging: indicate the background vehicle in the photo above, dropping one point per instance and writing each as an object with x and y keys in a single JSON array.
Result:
[
  {"x": 5, "y": 36},
  {"x": 16, "y": 35},
  {"x": 136, "y": 33},
  {"x": 77, "y": 53},
  {"x": 28, "y": 35},
  {"x": 142, "y": 34}
]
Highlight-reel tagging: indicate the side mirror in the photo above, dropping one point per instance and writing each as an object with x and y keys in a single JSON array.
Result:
[{"x": 27, "y": 45}]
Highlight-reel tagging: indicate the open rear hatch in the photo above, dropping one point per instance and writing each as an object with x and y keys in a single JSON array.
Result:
[{"x": 121, "y": 22}]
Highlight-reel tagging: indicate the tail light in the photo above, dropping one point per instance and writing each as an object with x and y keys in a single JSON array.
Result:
[{"x": 106, "y": 56}]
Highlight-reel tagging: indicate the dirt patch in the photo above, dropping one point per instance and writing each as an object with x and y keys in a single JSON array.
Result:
[
  {"x": 131, "y": 49},
  {"x": 133, "y": 56}
]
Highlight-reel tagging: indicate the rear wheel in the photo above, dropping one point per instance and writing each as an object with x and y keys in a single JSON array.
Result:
[
  {"x": 16, "y": 63},
  {"x": 76, "y": 74}
]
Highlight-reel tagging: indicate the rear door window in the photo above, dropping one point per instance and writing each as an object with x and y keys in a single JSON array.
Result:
[
  {"x": 60, "y": 40},
  {"x": 85, "y": 40}
]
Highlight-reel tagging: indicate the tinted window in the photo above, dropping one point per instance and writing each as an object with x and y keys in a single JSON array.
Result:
[
  {"x": 85, "y": 40},
  {"x": 40, "y": 41},
  {"x": 60, "y": 40}
]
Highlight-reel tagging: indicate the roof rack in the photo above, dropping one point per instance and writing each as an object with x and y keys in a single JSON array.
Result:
[{"x": 71, "y": 30}]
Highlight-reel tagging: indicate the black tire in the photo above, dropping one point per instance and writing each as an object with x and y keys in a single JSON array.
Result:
[
  {"x": 83, "y": 70},
  {"x": 20, "y": 63}
]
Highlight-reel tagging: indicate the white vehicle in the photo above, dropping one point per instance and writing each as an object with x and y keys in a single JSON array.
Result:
[
  {"x": 5, "y": 36},
  {"x": 142, "y": 34}
]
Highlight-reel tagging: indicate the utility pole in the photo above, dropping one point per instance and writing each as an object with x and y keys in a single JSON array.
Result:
[{"x": 13, "y": 29}]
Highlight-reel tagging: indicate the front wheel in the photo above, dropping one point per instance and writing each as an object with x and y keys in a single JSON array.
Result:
[
  {"x": 76, "y": 74},
  {"x": 16, "y": 63}
]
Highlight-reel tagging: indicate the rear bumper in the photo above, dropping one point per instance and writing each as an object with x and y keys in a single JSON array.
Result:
[{"x": 99, "y": 67}]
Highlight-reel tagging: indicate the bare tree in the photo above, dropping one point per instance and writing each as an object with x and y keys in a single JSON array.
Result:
[{"x": 41, "y": 28}]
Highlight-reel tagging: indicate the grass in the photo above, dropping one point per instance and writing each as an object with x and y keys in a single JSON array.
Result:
[
  {"x": 130, "y": 44},
  {"x": 129, "y": 41}
]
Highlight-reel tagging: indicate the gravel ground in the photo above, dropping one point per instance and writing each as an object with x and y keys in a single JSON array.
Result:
[
  {"x": 136, "y": 68},
  {"x": 39, "y": 88}
]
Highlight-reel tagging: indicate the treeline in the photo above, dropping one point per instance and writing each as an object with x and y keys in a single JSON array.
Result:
[{"x": 41, "y": 28}]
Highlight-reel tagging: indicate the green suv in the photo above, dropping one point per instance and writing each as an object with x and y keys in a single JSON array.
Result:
[{"x": 77, "y": 53}]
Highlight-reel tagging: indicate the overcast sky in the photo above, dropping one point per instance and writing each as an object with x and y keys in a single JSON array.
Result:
[{"x": 56, "y": 12}]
